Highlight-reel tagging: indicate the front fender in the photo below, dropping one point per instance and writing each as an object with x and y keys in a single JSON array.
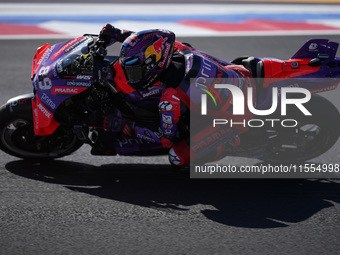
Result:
[
  {"x": 20, "y": 105},
  {"x": 27, "y": 105}
]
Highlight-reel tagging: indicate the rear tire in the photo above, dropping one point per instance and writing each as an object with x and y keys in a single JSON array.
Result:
[{"x": 313, "y": 136}]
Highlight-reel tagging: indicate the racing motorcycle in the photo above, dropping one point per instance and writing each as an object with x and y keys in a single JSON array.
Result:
[{"x": 75, "y": 84}]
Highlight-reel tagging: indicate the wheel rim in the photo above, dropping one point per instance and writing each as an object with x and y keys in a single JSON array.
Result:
[
  {"x": 19, "y": 138},
  {"x": 301, "y": 143}
]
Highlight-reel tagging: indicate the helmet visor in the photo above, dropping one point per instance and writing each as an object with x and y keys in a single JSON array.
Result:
[
  {"x": 134, "y": 74},
  {"x": 134, "y": 71}
]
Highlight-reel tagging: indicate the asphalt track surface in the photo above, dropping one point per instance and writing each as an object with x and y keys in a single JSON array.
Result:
[{"x": 82, "y": 204}]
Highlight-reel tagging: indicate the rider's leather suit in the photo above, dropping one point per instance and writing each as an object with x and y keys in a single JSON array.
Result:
[{"x": 190, "y": 70}]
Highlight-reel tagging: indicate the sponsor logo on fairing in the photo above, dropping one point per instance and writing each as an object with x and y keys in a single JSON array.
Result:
[
  {"x": 79, "y": 83},
  {"x": 67, "y": 91},
  {"x": 16, "y": 102},
  {"x": 36, "y": 119},
  {"x": 84, "y": 77},
  {"x": 69, "y": 46},
  {"x": 313, "y": 47},
  {"x": 48, "y": 101},
  {"x": 47, "y": 55},
  {"x": 42, "y": 57},
  {"x": 44, "y": 110}
]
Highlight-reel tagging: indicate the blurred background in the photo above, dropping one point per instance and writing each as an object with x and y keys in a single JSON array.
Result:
[{"x": 41, "y": 19}]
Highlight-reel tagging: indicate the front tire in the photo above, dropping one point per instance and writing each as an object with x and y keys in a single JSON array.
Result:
[{"x": 17, "y": 136}]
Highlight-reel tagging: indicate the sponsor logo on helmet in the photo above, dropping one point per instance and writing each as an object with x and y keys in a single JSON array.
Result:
[
  {"x": 131, "y": 40},
  {"x": 156, "y": 48}
]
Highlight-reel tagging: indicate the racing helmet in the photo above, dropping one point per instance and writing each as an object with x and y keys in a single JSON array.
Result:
[{"x": 144, "y": 55}]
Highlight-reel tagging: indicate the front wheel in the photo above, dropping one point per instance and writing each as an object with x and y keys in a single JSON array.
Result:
[{"x": 18, "y": 139}]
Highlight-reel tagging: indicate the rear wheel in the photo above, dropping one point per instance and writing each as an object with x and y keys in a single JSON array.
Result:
[{"x": 311, "y": 137}]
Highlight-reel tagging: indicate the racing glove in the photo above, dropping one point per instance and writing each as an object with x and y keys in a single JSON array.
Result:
[
  {"x": 116, "y": 123},
  {"x": 109, "y": 35}
]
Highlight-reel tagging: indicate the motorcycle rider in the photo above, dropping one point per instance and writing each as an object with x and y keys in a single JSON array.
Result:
[{"x": 157, "y": 71}]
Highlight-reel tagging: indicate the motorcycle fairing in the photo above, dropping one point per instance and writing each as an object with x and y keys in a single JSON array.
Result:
[
  {"x": 310, "y": 66},
  {"x": 44, "y": 124},
  {"x": 51, "y": 88},
  {"x": 313, "y": 67},
  {"x": 38, "y": 57},
  {"x": 314, "y": 47},
  {"x": 275, "y": 70}
]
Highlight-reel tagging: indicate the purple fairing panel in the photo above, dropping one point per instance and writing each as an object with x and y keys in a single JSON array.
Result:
[
  {"x": 314, "y": 47},
  {"x": 322, "y": 55},
  {"x": 53, "y": 88}
]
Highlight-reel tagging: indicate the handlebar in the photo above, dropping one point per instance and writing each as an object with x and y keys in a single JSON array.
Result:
[{"x": 96, "y": 46}]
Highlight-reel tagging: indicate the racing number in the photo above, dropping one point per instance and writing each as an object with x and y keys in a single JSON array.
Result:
[{"x": 46, "y": 82}]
